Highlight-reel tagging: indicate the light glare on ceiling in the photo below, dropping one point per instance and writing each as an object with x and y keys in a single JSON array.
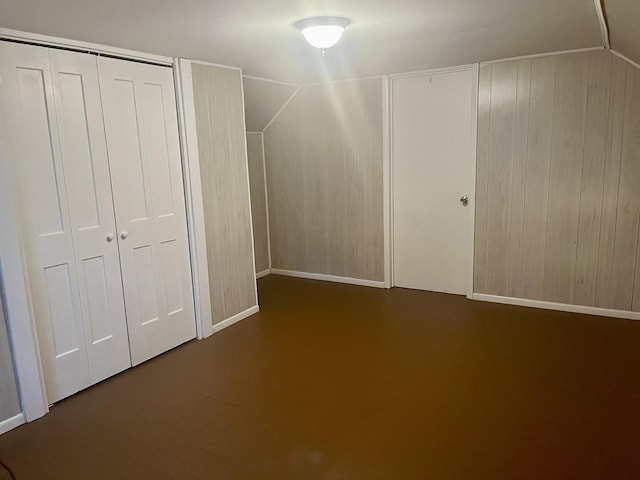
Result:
[{"x": 322, "y": 32}]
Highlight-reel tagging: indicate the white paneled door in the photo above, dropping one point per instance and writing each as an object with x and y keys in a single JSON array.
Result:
[
  {"x": 433, "y": 180},
  {"x": 144, "y": 154},
  {"x": 52, "y": 118},
  {"x": 96, "y": 175}
]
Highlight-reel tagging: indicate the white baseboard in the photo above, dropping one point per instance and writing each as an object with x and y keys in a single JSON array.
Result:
[
  {"x": 561, "y": 307},
  {"x": 263, "y": 274},
  {"x": 11, "y": 423},
  {"x": 235, "y": 319},
  {"x": 328, "y": 278}
]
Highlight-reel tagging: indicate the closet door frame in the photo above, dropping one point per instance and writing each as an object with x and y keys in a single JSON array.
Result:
[{"x": 18, "y": 304}]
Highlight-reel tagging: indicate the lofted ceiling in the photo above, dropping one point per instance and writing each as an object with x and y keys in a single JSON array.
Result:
[
  {"x": 386, "y": 36},
  {"x": 623, "y": 17},
  {"x": 262, "y": 101}
]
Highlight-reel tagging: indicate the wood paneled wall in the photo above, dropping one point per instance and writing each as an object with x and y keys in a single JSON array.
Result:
[
  {"x": 9, "y": 401},
  {"x": 324, "y": 180},
  {"x": 225, "y": 189},
  {"x": 558, "y": 187},
  {"x": 258, "y": 201}
]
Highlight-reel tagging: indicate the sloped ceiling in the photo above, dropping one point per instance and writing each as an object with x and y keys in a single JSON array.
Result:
[
  {"x": 386, "y": 36},
  {"x": 623, "y": 17},
  {"x": 262, "y": 100}
]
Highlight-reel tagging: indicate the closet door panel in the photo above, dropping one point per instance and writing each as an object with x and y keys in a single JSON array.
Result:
[
  {"x": 87, "y": 177},
  {"x": 159, "y": 114},
  {"x": 32, "y": 141},
  {"x": 142, "y": 138}
]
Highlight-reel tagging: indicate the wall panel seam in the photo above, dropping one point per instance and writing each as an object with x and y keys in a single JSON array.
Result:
[{"x": 513, "y": 161}]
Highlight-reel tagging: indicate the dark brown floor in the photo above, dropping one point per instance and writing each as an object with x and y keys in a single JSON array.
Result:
[{"x": 340, "y": 382}]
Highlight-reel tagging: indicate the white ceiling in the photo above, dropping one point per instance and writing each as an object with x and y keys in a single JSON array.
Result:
[
  {"x": 624, "y": 24},
  {"x": 386, "y": 36}
]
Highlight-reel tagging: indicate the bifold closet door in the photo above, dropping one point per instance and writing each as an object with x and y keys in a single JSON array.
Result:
[
  {"x": 54, "y": 138},
  {"x": 146, "y": 174}
]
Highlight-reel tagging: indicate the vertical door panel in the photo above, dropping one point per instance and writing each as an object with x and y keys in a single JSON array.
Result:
[
  {"x": 31, "y": 134},
  {"x": 142, "y": 137},
  {"x": 432, "y": 171},
  {"x": 86, "y": 172}
]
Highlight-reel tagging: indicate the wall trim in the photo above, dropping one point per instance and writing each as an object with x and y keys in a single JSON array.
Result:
[
  {"x": 46, "y": 40},
  {"x": 433, "y": 71},
  {"x": 539, "y": 55},
  {"x": 604, "y": 28},
  {"x": 193, "y": 196},
  {"x": 246, "y": 169},
  {"x": 250, "y": 77},
  {"x": 215, "y": 65},
  {"x": 341, "y": 80},
  {"x": 561, "y": 307},
  {"x": 266, "y": 199},
  {"x": 281, "y": 109},
  {"x": 626, "y": 59},
  {"x": 235, "y": 319},
  {"x": 328, "y": 278},
  {"x": 386, "y": 179},
  {"x": 11, "y": 423},
  {"x": 263, "y": 274}
]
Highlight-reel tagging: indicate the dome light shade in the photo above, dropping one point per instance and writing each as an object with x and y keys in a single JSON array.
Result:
[{"x": 322, "y": 32}]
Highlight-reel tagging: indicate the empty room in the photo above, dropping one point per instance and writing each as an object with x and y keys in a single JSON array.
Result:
[{"x": 333, "y": 240}]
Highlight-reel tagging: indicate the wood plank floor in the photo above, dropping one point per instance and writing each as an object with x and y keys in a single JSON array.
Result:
[{"x": 340, "y": 382}]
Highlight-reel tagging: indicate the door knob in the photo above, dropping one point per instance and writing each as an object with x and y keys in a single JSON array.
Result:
[
  {"x": 124, "y": 234},
  {"x": 110, "y": 237},
  {"x": 464, "y": 200}
]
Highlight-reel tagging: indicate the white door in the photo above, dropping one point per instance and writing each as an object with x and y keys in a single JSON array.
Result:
[
  {"x": 52, "y": 125},
  {"x": 146, "y": 174},
  {"x": 433, "y": 172}
]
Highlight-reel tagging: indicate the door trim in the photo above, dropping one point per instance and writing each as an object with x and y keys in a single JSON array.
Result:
[
  {"x": 475, "y": 69},
  {"x": 86, "y": 47}
]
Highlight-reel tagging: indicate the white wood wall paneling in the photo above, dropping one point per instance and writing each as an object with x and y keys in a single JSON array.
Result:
[
  {"x": 258, "y": 201},
  {"x": 615, "y": 129},
  {"x": 626, "y": 233},
  {"x": 564, "y": 183},
  {"x": 540, "y": 126},
  {"x": 593, "y": 170},
  {"x": 325, "y": 181},
  {"x": 225, "y": 187},
  {"x": 558, "y": 209},
  {"x": 482, "y": 178}
]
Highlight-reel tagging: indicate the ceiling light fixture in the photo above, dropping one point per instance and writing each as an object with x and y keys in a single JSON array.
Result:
[{"x": 322, "y": 32}]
